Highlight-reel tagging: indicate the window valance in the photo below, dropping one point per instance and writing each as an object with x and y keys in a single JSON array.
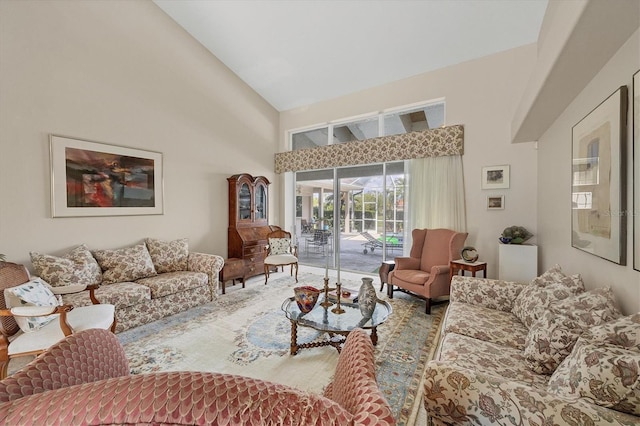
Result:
[{"x": 426, "y": 143}]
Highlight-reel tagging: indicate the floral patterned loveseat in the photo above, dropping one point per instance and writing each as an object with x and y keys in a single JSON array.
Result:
[
  {"x": 145, "y": 282},
  {"x": 543, "y": 353}
]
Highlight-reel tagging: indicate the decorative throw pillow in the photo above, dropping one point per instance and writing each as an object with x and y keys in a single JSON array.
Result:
[
  {"x": 126, "y": 264},
  {"x": 606, "y": 375},
  {"x": 33, "y": 293},
  {"x": 623, "y": 332},
  {"x": 76, "y": 267},
  {"x": 551, "y": 337},
  {"x": 549, "y": 287},
  {"x": 279, "y": 246},
  {"x": 168, "y": 256}
]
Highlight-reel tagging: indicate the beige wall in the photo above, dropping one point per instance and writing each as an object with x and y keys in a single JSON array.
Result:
[
  {"x": 480, "y": 94},
  {"x": 121, "y": 72},
  {"x": 554, "y": 185}
]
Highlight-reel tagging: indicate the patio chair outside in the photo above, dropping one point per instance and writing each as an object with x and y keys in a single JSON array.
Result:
[{"x": 319, "y": 241}]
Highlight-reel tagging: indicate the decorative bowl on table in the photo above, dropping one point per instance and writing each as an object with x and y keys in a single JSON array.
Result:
[
  {"x": 469, "y": 254},
  {"x": 516, "y": 235},
  {"x": 306, "y": 298}
]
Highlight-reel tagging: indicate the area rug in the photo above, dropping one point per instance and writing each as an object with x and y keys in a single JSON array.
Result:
[{"x": 246, "y": 332}]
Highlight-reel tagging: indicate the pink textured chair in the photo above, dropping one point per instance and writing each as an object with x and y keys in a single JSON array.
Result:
[
  {"x": 425, "y": 273},
  {"x": 186, "y": 398},
  {"x": 86, "y": 356}
]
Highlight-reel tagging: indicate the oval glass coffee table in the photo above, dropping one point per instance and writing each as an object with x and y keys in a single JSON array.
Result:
[{"x": 337, "y": 326}]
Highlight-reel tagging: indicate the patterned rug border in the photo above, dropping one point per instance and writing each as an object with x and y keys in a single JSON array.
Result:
[
  {"x": 421, "y": 350},
  {"x": 434, "y": 338}
]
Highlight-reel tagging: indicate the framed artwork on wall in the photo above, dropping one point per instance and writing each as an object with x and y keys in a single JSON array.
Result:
[
  {"x": 636, "y": 171},
  {"x": 598, "y": 177},
  {"x": 97, "y": 179},
  {"x": 495, "y": 202},
  {"x": 495, "y": 177}
]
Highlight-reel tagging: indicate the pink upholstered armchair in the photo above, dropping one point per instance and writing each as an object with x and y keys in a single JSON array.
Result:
[
  {"x": 84, "y": 380},
  {"x": 425, "y": 273}
]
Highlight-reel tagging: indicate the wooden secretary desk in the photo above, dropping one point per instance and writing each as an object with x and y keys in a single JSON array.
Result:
[{"x": 248, "y": 221}]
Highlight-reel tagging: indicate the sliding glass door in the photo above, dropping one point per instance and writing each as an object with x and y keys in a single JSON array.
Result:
[
  {"x": 314, "y": 217},
  {"x": 352, "y": 216},
  {"x": 371, "y": 215}
]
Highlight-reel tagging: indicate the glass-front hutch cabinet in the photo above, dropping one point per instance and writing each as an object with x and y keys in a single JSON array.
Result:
[{"x": 248, "y": 221}]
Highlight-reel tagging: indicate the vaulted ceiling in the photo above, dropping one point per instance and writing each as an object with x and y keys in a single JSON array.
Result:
[{"x": 296, "y": 53}]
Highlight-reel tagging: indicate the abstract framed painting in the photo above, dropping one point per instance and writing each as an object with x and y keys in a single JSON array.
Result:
[
  {"x": 97, "y": 179},
  {"x": 598, "y": 219},
  {"x": 636, "y": 171}
]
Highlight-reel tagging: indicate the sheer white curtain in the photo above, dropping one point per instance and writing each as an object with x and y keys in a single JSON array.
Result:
[{"x": 436, "y": 193}]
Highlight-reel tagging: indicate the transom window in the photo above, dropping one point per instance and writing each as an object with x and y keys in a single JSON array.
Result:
[{"x": 429, "y": 115}]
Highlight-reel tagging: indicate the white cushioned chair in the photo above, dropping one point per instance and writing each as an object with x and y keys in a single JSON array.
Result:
[
  {"x": 29, "y": 327},
  {"x": 280, "y": 252}
]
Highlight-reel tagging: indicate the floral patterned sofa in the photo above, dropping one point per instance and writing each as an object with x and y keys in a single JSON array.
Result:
[
  {"x": 543, "y": 353},
  {"x": 145, "y": 282},
  {"x": 98, "y": 390}
]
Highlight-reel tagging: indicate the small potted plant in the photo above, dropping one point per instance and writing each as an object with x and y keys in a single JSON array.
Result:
[{"x": 515, "y": 235}]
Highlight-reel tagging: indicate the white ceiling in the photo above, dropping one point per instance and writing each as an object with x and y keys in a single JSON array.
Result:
[{"x": 296, "y": 53}]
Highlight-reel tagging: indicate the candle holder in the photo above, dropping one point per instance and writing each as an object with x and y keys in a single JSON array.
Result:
[
  {"x": 338, "y": 309},
  {"x": 326, "y": 303}
]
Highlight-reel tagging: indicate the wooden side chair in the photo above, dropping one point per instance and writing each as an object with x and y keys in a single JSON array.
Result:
[
  {"x": 25, "y": 328},
  {"x": 280, "y": 252}
]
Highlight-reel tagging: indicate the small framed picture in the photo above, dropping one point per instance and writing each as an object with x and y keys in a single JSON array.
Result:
[
  {"x": 495, "y": 177},
  {"x": 495, "y": 202}
]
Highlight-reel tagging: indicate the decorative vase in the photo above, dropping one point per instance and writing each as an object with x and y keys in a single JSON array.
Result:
[
  {"x": 306, "y": 298},
  {"x": 367, "y": 297}
]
